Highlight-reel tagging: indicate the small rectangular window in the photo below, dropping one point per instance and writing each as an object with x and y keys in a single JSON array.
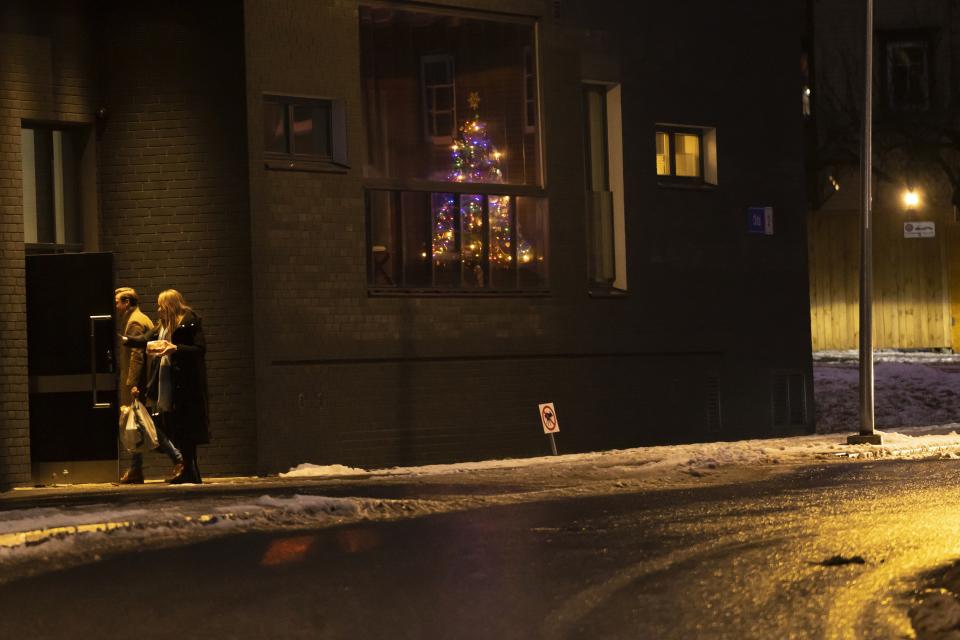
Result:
[
  {"x": 907, "y": 73},
  {"x": 304, "y": 133},
  {"x": 686, "y": 155},
  {"x": 52, "y": 213},
  {"x": 439, "y": 97}
]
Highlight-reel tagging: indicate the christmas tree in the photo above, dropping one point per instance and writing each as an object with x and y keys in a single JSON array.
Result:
[{"x": 475, "y": 159}]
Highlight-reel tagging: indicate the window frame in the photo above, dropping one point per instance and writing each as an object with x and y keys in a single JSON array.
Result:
[
  {"x": 78, "y": 135},
  {"x": 610, "y": 148},
  {"x": 529, "y": 70},
  {"x": 428, "y": 97},
  {"x": 335, "y": 161},
  {"x": 708, "y": 156},
  {"x": 672, "y": 132},
  {"x": 924, "y": 38},
  {"x": 535, "y": 188}
]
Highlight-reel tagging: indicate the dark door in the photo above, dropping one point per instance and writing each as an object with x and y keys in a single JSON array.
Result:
[{"x": 70, "y": 345}]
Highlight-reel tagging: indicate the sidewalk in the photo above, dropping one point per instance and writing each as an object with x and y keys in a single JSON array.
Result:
[{"x": 660, "y": 467}]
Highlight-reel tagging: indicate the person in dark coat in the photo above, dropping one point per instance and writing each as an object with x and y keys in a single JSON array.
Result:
[
  {"x": 133, "y": 374},
  {"x": 178, "y": 379}
]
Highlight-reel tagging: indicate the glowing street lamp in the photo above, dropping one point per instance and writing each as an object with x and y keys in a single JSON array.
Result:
[{"x": 911, "y": 199}]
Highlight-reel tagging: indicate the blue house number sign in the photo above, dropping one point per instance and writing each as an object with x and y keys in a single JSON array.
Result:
[{"x": 760, "y": 220}]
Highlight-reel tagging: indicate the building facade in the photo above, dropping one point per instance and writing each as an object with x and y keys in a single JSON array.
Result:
[{"x": 406, "y": 225}]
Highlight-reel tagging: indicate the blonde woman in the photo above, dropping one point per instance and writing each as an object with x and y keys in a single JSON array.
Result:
[{"x": 178, "y": 380}]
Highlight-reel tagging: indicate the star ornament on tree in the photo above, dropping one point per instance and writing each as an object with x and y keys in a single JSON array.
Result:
[{"x": 474, "y": 100}]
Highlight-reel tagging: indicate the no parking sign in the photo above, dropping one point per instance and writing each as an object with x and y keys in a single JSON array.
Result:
[{"x": 548, "y": 416}]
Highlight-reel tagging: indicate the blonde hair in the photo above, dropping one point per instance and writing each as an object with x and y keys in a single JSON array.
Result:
[{"x": 172, "y": 308}]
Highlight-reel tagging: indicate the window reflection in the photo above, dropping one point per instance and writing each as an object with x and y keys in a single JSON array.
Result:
[{"x": 419, "y": 71}]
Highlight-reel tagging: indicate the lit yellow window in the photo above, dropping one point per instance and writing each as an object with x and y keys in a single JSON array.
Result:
[
  {"x": 687, "y": 157},
  {"x": 663, "y": 153}
]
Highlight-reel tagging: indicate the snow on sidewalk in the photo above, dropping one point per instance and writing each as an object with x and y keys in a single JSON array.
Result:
[{"x": 913, "y": 442}]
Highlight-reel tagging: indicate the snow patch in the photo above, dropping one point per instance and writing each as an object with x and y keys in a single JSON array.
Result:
[
  {"x": 308, "y": 470},
  {"x": 906, "y": 393}
]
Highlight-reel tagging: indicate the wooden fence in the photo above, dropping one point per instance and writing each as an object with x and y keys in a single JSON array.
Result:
[{"x": 911, "y": 301}]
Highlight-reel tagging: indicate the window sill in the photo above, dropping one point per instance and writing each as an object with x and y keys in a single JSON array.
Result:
[
  {"x": 316, "y": 166},
  {"x": 689, "y": 186},
  {"x": 470, "y": 188},
  {"x": 607, "y": 293},
  {"x": 388, "y": 292},
  {"x": 40, "y": 248}
]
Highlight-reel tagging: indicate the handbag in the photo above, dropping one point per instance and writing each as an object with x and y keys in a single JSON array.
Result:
[{"x": 137, "y": 431}]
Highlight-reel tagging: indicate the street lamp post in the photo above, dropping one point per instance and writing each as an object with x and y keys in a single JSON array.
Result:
[{"x": 868, "y": 434}]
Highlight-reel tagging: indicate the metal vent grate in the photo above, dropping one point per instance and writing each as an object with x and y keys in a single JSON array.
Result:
[
  {"x": 556, "y": 8},
  {"x": 789, "y": 399},
  {"x": 714, "y": 422}
]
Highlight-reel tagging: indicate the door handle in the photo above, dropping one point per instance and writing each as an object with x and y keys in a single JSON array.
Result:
[{"x": 93, "y": 361}]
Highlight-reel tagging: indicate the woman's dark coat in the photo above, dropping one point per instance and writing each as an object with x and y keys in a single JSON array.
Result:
[{"x": 188, "y": 421}]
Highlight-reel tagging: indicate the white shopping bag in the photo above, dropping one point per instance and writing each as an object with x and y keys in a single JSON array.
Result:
[{"x": 137, "y": 431}]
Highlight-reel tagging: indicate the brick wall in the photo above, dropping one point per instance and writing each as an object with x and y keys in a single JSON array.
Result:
[
  {"x": 45, "y": 74},
  {"x": 433, "y": 410},
  {"x": 345, "y": 376},
  {"x": 172, "y": 160}
]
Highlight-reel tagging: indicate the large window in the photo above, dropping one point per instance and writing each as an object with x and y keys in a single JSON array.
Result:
[
  {"x": 52, "y": 216},
  {"x": 606, "y": 248},
  {"x": 452, "y": 170}
]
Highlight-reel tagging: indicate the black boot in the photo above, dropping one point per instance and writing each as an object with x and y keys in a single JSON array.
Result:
[
  {"x": 133, "y": 475},
  {"x": 189, "y": 471},
  {"x": 196, "y": 472}
]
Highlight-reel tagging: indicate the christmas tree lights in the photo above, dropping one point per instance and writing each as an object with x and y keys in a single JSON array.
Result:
[{"x": 475, "y": 159}]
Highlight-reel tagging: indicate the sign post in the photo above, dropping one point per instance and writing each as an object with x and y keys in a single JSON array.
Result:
[
  {"x": 868, "y": 433},
  {"x": 548, "y": 417}
]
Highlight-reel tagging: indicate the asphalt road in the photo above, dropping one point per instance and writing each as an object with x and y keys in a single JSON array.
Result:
[{"x": 738, "y": 561}]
